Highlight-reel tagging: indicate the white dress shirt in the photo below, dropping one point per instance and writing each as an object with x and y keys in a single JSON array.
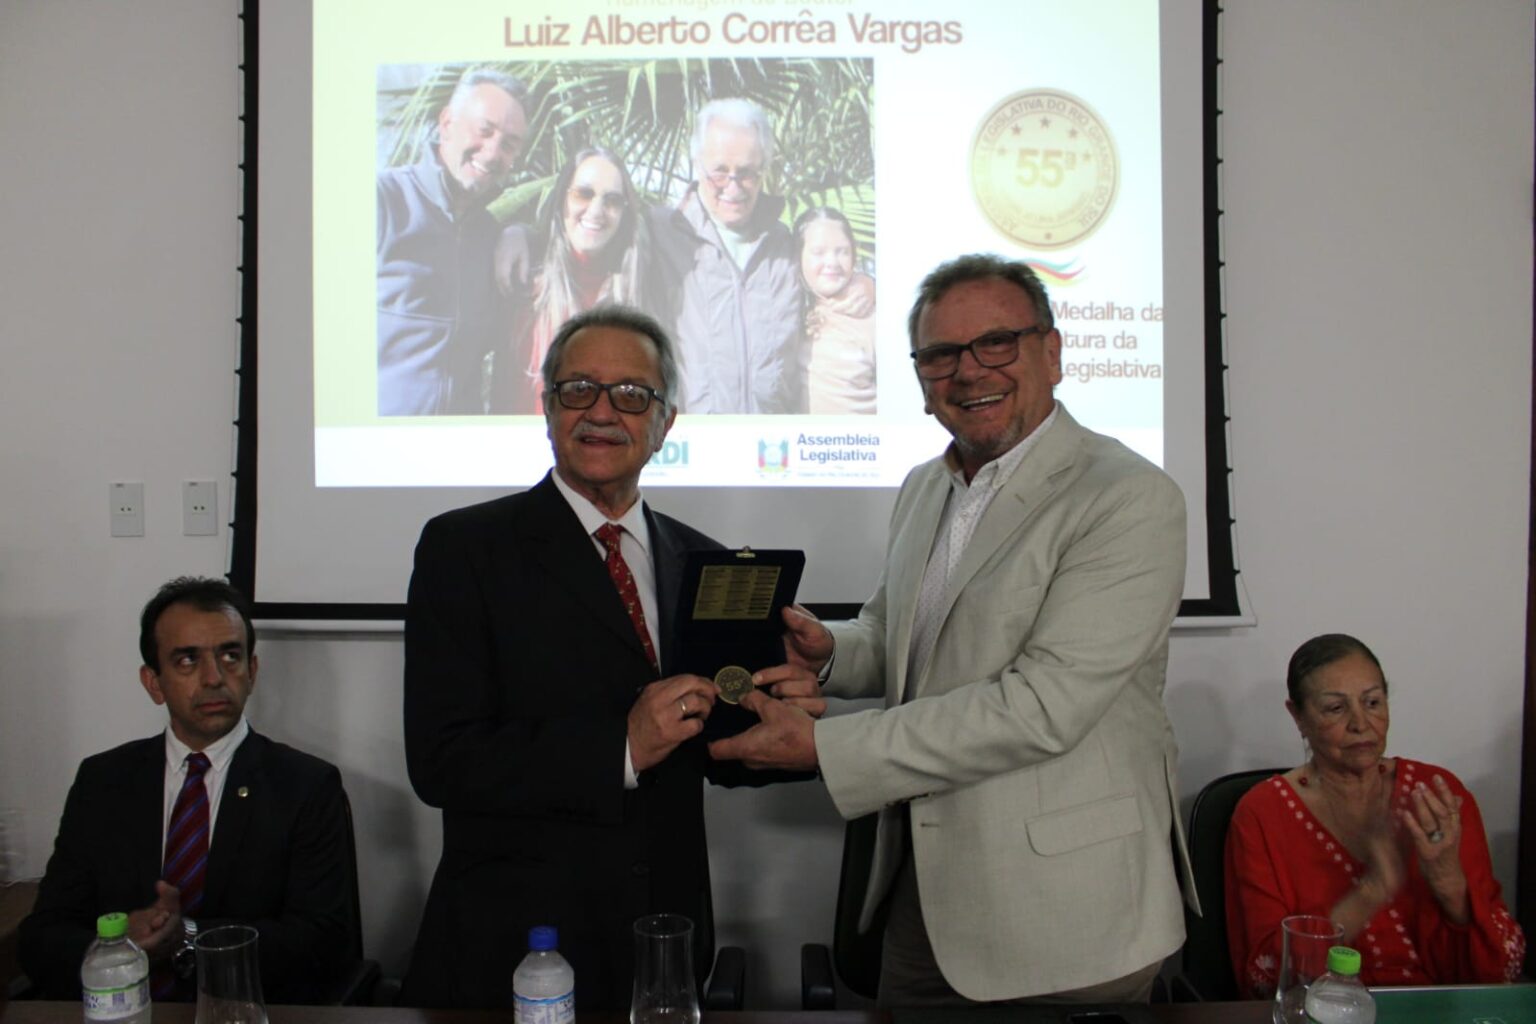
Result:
[
  {"x": 219, "y": 753},
  {"x": 963, "y": 509}
]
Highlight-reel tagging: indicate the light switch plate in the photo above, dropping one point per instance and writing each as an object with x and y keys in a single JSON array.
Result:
[
  {"x": 199, "y": 508},
  {"x": 125, "y": 504}
]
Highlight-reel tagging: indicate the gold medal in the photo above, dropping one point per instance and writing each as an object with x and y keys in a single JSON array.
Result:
[
  {"x": 734, "y": 683},
  {"x": 1044, "y": 169}
]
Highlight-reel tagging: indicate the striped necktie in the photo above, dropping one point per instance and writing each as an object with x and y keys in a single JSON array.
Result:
[
  {"x": 186, "y": 840},
  {"x": 186, "y": 858}
]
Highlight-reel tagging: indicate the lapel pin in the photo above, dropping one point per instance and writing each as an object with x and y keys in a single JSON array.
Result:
[{"x": 243, "y": 792}]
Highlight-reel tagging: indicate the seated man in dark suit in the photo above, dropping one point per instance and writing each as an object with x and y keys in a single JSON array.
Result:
[
  {"x": 207, "y": 824},
  {"x": 538, "y": 712}
]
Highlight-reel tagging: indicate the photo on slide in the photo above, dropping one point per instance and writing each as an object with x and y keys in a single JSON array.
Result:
[{"x": 731, "y": 199}]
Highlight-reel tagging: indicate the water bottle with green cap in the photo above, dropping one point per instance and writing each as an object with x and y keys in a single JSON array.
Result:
[
  {"x": 1338, "y": 997},
  {"x": 114, "y": 977}
]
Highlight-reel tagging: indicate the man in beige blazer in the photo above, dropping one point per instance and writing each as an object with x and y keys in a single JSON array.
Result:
[{"x": 1023, "y": 767}]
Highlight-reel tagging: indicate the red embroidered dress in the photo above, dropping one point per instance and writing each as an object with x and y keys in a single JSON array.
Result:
[{"x": 1282, "y": 861}]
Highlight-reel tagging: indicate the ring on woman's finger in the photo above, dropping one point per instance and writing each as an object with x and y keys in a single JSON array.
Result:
[
  {"x": 1436, "y": 836},
  {"x": 682, "y": 702}
]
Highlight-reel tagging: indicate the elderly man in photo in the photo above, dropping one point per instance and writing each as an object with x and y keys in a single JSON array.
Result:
[
  {"x": 1023, "y": 766},
  {"x": 440, "y": 311},
  {"x": 734, "y": 272}
]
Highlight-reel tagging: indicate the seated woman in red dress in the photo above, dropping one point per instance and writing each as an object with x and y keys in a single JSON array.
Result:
[{"x": 1392, "y": 850}]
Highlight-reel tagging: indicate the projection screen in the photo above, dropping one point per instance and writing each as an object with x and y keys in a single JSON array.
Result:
[{"x": 1078, "y": 137}]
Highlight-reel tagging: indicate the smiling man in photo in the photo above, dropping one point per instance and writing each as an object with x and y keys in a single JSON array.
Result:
[{"x": 439, "y": 309}]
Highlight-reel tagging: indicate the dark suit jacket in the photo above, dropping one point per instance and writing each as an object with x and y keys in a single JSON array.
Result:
[
  {"x": 520, "y": 669},
  {"x": 279, "y": 861}
]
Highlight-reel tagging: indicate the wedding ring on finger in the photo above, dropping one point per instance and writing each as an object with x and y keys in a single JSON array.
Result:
[
  {"x": 682, "y": 702},
  {"x": 1435, "y": 836}
]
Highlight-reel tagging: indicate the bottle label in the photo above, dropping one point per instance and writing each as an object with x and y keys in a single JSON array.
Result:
[
  {"x": 116, "y": 1003},
  {"x": 553, "y": 1010}
]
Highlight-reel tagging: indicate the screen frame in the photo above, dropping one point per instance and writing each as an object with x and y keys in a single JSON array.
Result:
[{"x": 1223, "y": 606}]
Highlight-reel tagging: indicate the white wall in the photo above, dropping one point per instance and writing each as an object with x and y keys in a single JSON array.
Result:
[{"x": 1378, "y": 187}]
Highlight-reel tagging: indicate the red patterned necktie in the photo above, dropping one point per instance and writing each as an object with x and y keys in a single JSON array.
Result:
[
  {"x": 186, "y": 853},
  {"x": 624, "y": 580}
]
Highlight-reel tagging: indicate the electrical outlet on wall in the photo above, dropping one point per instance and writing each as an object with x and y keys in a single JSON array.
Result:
[
  {"x": 125, "y": 505},
  {"x": 199, "y": 508}
]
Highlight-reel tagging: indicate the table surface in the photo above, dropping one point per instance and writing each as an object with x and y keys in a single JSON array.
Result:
[
  {"x": 183, "y": 1013},
  {"x": 1474, "y": 1004}
]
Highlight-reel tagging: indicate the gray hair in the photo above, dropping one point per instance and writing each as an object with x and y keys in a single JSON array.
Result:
[
  {"x": 740, "y": 113},
  {"x": 980, "y": 267},
  {"x": 627, "y": 318},
  {"x": 509, "y": 84}
]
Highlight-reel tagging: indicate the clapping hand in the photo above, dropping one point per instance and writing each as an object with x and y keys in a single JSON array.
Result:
[
  {"x": 156, "y": 929},
  {"x": 1433, "y": 822}
]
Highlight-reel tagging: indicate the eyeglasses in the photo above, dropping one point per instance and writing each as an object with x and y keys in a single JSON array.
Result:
[
  {"x": 613, "y": 202},
  {"x": 993, "y": 349},
  {"x": 582, "y": 394},
  {"x": 746, "y": 179}
]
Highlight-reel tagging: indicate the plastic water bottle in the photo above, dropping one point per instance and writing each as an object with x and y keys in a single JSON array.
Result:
[
  {"x": 114, "y": 978},
  {"x": 1338, "y": 997},
  {"x": 544, "y": 983}
]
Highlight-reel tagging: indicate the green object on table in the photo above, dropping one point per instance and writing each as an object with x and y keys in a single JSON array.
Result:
[{"x": 1466, "y": 1004}]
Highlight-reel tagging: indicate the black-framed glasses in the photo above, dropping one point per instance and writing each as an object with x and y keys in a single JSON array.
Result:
[
  {"x": 582, "y": 394},
  {"x": 746, "y": 178},
  {"x": 993, "y": 349},
  {"x": 582, "y": 195}
]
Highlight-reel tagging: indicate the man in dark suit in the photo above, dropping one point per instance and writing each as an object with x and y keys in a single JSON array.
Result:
[
  {"x": 568, "y": 772},
  {"x": 257, "y": 830}
]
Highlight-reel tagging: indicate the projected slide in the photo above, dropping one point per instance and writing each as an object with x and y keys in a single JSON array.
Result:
[{"x": 770, "y": 180}]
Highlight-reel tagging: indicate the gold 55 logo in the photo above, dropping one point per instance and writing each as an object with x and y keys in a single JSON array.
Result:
[{"x": 1044, "y": 168}]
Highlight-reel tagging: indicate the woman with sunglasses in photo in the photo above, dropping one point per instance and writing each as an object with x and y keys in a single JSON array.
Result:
[{"x": 594, "y": 251}]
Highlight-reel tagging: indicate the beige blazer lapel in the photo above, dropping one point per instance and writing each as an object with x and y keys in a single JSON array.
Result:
[
  {"x": 1042, "y": 473},
  {"x": 904, "y": 582}
]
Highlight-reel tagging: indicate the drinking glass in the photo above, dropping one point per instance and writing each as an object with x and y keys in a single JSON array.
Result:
[
  {"x": 1304, "y": 943},
  {"x": 228, "y": 976},
  {"x": 665, "y": 991}
]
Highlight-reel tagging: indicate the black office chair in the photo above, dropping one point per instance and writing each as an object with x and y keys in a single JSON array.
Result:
[
  {"x": 1205, "y": 972},
  {"x": 855, "y": 956},
  {"x": 727, "y": 985}
]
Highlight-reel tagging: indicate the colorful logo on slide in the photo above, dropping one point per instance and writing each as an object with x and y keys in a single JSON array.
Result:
[
  {"x": 772, "y": 456},
  {"x": 1057, "y": 275},
  {"x": 1044, "y": 169}
]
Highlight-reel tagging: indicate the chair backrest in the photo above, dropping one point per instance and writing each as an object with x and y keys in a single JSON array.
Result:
[
  {"x": 856, "y": 957},
  {"x": 357, "y": 981},
  {"x": 355, "y": 899},
  {"x": 1207, "y": 960}
]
